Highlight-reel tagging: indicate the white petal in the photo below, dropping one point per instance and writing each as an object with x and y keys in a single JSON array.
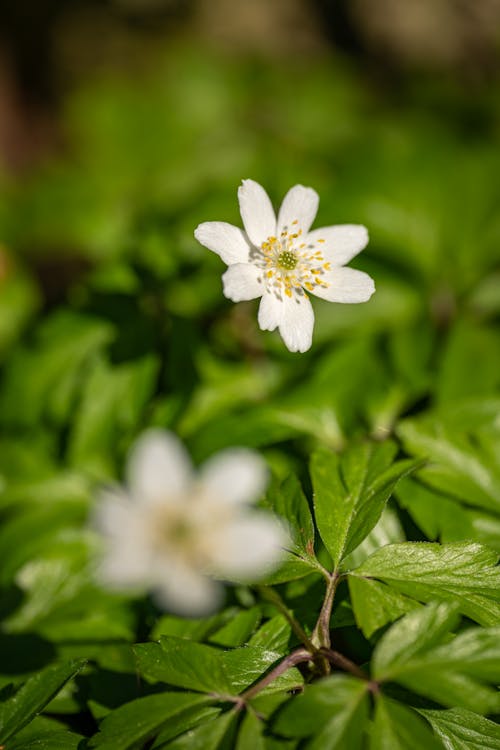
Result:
[
  {"x": 270, "y": 311},
  {"x": 127, "y": 549},
  {"x": 158, "y": 468},
  {"x": 186, "y": 591},
  {"x": 236, "y": 475},
  {"x": 341, "y": 243},
  {"x": 126, "y": 566},
  {"x": 297, "y": 322},
  {"x": 346, "y": 285},
  {"x": 248, "y": 547},
  {"x": 242, "y": 281},
  {"x": 299, "y": 205},
  {"x": 229, "y": 242},
  {"x": 113, "y": 512},
  {"x": 256, "y": 211}
]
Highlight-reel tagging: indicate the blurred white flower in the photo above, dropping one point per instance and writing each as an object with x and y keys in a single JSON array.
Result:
[
  {"x": 281, "y": 260},
  {"x": 175, "y": 532}
]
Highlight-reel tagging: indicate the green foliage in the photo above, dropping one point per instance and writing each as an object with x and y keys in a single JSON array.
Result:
[
  {"x": 462, "y": 572},
  {"x": 20, "y": 708},
  {"x": 350, "y": 493},
  {"x": 382, "y": 440}
]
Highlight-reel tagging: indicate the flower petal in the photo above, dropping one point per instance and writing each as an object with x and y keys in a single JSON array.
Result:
[
  {"x": 242, "y": 281},
  {"x": 248, "y": 547},
  {"x": 270, "y": 311},
  {"x": 256, "y": 211},
  {"x": 299, "y": 205},
  {"x": 341, "y": 243},
  {"x": 236, "y": 475},
  {"x": 158, "y": 468},
  {"x": 345, "y": 285},
  {"x": 186, "y": 591},
  {"x": 297, "y": 322},
  {"x": 125, "y": 566},
  {"x": 228, "y": 241}
]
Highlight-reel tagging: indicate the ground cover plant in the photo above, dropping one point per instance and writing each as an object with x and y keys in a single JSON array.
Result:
[{"x": 375, "y": 446}]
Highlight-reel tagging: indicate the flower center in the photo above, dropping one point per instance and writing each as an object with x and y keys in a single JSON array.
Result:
[
  {"x": 287, "y": 260},
  {"x": 291, "y": 265}
]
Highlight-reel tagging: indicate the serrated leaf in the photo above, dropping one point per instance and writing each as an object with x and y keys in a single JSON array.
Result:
[
  {"x": 459, "y": 729},
  {"x": 398, "y": 727},
  {"x": 350, "y": 493},
  {"x": 142, "y": 719},
  {"x": 289, "y": 502},
  {"x": 375, "y": 604},
  {"x": 198, "y": 667},
  {"x": 387, "y": 530},
  {"x": 334, "y": 711},
  {"x": 34, "y": 695},
  {"x": 417, "y": 653},
  {"x": 461, "y": 572}
]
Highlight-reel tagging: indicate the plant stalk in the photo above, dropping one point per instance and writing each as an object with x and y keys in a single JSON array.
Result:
[{"x": 321, "y": 634}]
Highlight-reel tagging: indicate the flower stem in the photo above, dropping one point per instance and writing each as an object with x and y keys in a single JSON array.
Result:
[
  {"x": 272, "y": 596},
  {"x": 321, "y": 634},
  {"x": 342, "y": 662},
  {"x": 296, "y": 657}
]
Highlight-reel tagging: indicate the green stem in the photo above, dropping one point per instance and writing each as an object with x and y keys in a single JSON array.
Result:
[
  {"x": 296, "y": 657},
  {"x": 321, "y": 634},
  {"x": 272, "y": 596},
  {"x": 342, "y": 662}
]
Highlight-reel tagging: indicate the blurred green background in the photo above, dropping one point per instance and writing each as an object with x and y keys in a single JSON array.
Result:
[{"x": 123, "y": 125}]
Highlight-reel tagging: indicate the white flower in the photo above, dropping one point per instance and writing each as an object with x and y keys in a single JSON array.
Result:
[
  {"x": 175, "y": 532},
  {"x": 281, "y": 260}
]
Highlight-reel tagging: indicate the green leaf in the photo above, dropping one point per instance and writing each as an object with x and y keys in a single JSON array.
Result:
[
  {"x": 212, "y": 735},
  {"x": 195, "y": 629},
  {"x": 387, "y": 530},
  {"x": 289, "y": 502},
  {"x": 274, "y": 635},
  {"x": 238, "y": 630},
  {"x": 184, "y": 722},
  {"x": 417, "y": 653},
  {"x": 350, "y": 492},
  {"x": 198, "y": 667},
  {"x": 412, "y": 636},
  {"x": 250, "y": 736},
  {"x": 459, "y": 729},
  {"x": 335, "y": 710},
  {"x": 460, "y": 572},
  {"x": 142, "y": 719},
  {"x": 65, "y": 342},
  {"x": 112, "y": 402},
  {"x": 443, "y": 517},
  {"x": 397, "y": 727},
  {"x": 375, "y": 604},
  {"x": 469, "y": 342},
  {"x": 48, "y": 741},
  {"x": 34, "y": 695},
  {"x": 45, "y": 733},
  {"x": 458, "y": 464}
]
